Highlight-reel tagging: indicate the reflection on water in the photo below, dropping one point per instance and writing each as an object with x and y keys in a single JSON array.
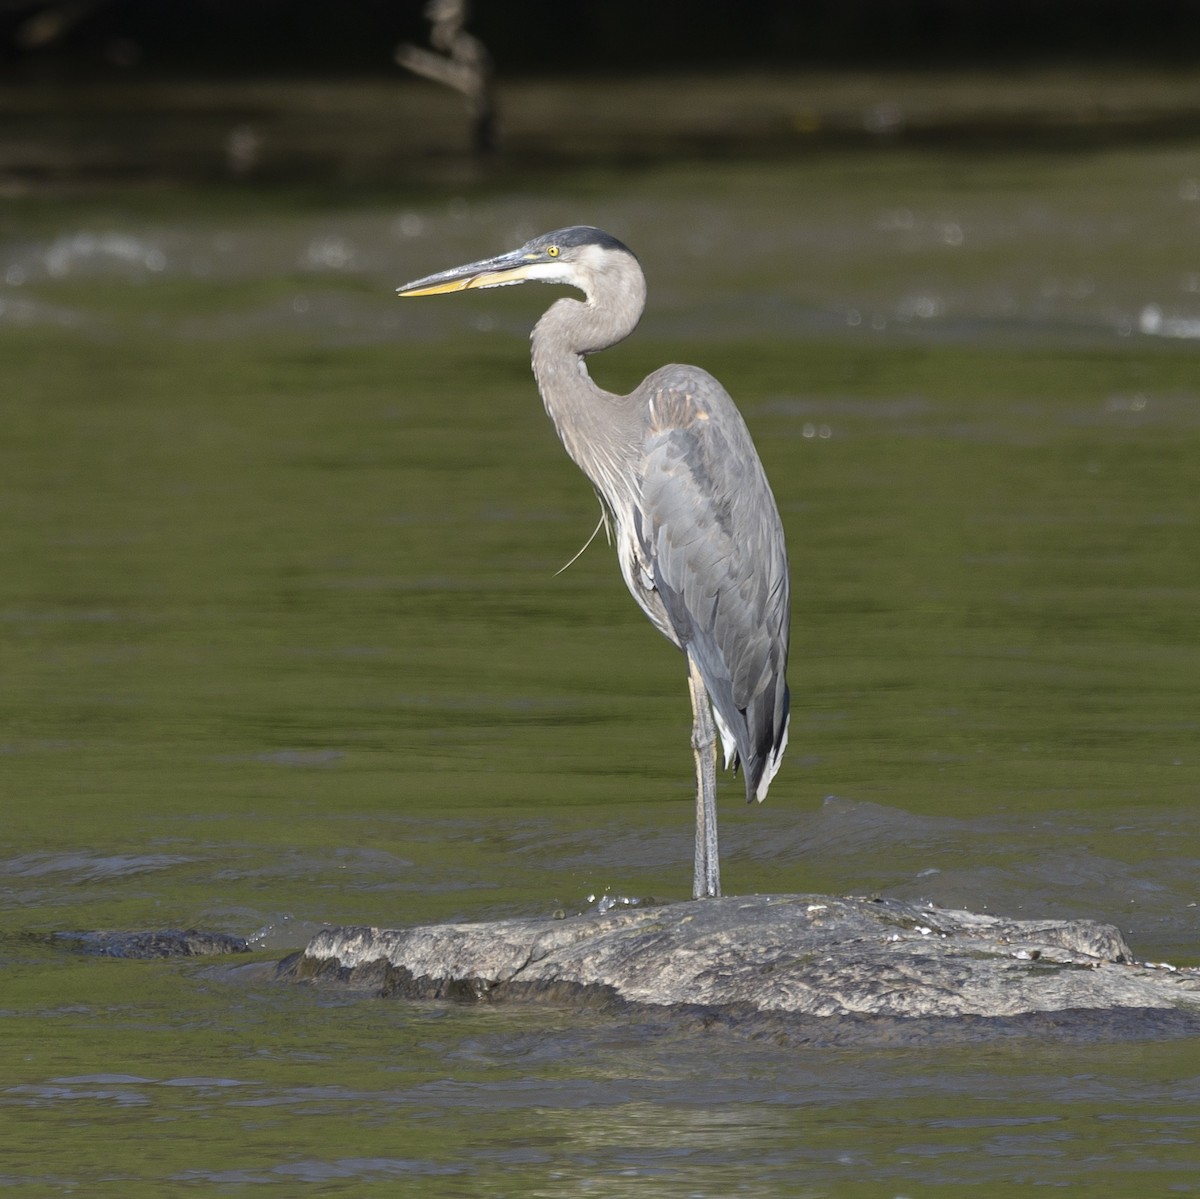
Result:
[
  {"x": 1028, "y": 249},
  {"x": 284, "y": 644},
  {"x": 548, "y": 1102}
]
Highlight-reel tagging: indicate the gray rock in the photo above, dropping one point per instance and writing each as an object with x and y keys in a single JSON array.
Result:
[{"x": 774, "y": 961}]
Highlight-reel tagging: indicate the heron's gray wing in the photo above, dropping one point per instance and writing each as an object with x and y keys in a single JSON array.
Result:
[{"x": 713, "y": 545}]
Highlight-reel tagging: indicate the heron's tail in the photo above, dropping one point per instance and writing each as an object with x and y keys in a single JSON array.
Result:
[
  {"x": 758, "y": 752},
  {"x": 767, "y": 729},
  {"x": 770, "y": 768}
]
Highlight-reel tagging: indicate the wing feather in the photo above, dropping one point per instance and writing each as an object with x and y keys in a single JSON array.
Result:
[{"x": 712, "y": 541}]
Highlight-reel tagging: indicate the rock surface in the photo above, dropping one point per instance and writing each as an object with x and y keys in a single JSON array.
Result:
[{"x": 791, "y": 956}]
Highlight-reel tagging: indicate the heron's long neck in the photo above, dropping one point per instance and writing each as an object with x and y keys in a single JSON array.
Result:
[{"x": 596, "y": 427}]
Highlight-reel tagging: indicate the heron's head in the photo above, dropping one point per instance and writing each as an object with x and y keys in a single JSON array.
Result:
[{"x": 578, "y": 256}]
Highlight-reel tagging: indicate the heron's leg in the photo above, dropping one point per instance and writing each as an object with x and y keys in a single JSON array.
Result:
[{"x": 707, "y": 878}]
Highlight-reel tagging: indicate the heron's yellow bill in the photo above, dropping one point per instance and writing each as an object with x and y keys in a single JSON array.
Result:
[{"x": 483, "y": 279}]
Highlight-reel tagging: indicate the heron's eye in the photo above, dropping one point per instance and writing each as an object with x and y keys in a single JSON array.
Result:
[{"x": 552, "y": 251}]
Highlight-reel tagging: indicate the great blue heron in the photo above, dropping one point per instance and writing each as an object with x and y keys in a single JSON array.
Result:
[{"x": 698, "y": 534}]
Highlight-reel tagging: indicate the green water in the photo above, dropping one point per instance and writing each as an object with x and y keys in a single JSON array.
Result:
[{"x": 283, "y": 644}]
